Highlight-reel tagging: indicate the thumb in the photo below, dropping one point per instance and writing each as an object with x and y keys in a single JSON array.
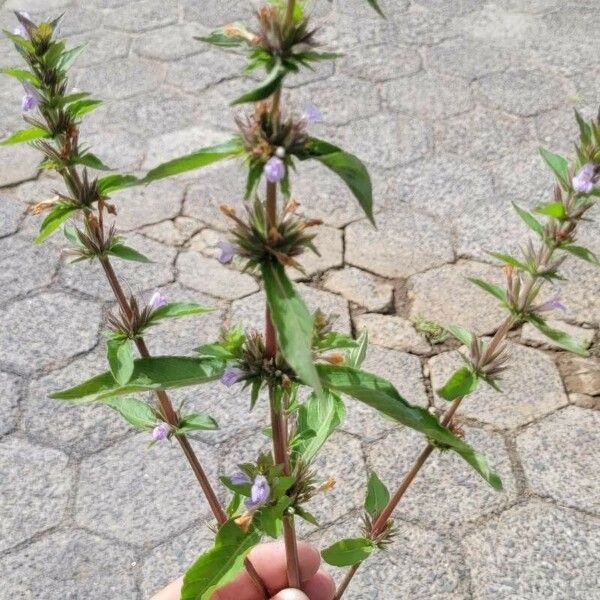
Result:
[{"x": 290, "y": 594}]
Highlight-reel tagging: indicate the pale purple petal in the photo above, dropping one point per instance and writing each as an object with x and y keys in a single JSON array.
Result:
[
  {"x": 161, "y": 432},
  {"x": 20, "y": 29},
  {"x": 231, "y": 376},
  {"x": 157, "y": 300},
  {"x": 240, "y": 478},
  {"x": 274, "y": 169},
  {"x": 583, "y": 180},
  {"x": 312, "y": 114},
  {"x": 227, "y": 252},
  {"x": 259, "y": 493},
  {"x": 555, "y": 303},
  {"x": 31, "y": 99}
]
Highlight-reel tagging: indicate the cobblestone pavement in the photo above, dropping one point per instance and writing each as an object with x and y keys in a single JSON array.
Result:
[{"x": 447, "y": 101}]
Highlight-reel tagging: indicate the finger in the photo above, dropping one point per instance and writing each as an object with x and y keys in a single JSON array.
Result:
[
  {"x": 171, "y": 592},
  {"x": 320, "y": 586},
  {"x": 270, "y": 564}
]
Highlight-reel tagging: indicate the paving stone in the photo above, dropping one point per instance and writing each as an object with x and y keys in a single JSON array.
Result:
[
  {"x": 379, "y": 63},
  {"x": 427, "y": 96},
  {"x": 121, "y": 150},
  {"x": 147, "y": 15},
  {"x": 35, "y": 5},
  {"x": 360, "y": 287},
  {"x": 42, "y": 320},
  {"x": 535, "y": 6},
  {"x": 481, "y": 134},
  {"x": 406, "y": 242},
  {"x": 167, "y": 232},
  {"x": 524, "y": 92},
  {"x": 71, "y": 564},
  {"x": 120, "y": 78},
  {"x": 100, "y": 47},
  {"x": 329, "y": 242},
  {"x": 171, "y": 559},
  {"x": 18, "y": 163},
  {"x": 341, "y": 458},
  {"x": 9, "y": 405},
  {"x": 531, "y": 335},
  {"x": 461, "y": 302},
  {"x": 206, "y": 241},
  {"x": 170, "y": 43},
  {"x": 553, "y": 555},
  {"x": 392, "y": 332},
  {"x": 531, "y": 388},
  {"x": 141, "y": 495},
  {"x": 581, "y": 375},
  {"x": 585, "y": 401},
  {"x": 423, "y": 26},
  {"x": 35, "y": 490},
  {"x": 216, "y": 13},
  {"x": 208, "y": 276},
  {"x": 11, "y": 214},
  {"x": 445, "y": 475},
  {"x": 73, "y": 428},
  {"x": 404, "y": 372},
  {"x": 570, "y": 477},
  {"x": 250, "y": 311},
  {"x": 78, "y": 19},
  {"x": 89, "y": 278},
  {"x": 557, "y": 130}
]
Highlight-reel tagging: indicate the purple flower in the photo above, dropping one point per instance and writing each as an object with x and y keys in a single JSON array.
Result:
[
  {"x": 157, "y": 300},
  {"x": 274, "y": 169},
  {"x": 227, "y": 252},
  {"x": 240, "y": 478},
  {"x": 259, "y": 493},
  {"x": 555, "y": 303},
  {"x": 161, "y": 432},
  {"x": 312, "y": 114},
  {"x": 582, "y": 182},
  {"x": 31, "y": 99},
  {"x": 231, "y": 375},
  {"x": 20, "y": 28}
]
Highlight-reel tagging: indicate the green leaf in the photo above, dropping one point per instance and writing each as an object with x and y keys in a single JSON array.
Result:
[
  {"x": 381, "y": 395},
  {"x": 175, "y": 310},
  {"x": 461, "y": 334},
  {"x": 462, "y": 383},
  {"x": 114, "y": 183},
  {"x": 20, "y": 42},
  {"x": 559, "y": 166},
  {"x": 267, "y": 88},
  {"x": 562, "y": 339},
  {"x": 255, "y": 171},
  {"x": 509, "y": 260},
  {"x": 373, "y": 4},
  {"x": 137, "y": 413},
  {"x": 347, "y": 166},
  {"x": 69, "y": 57},
  {"x": 270, "y": 518},
  {"x": 293, "y": 322},
  {"x": 196, "y": 160},
  {"x": 490, "y": 288},
  {"x": 556, "y": 210},
  {"x": 92, "y": 161},
  {"x": 160, "y": 372},
  {"x": 196, "y": 422},
  {"x": 25, "y": 135},
  {"x": 321, "y": 416},
  {"x": 356, "y": 356},
  {"x": 21, "y": 75},
  {"x": 348, "y": 552},
  {"x": 120, "y": 359},
  {"x": 378, "y": 496},
  {"x": 584, "y": 129},
  {"x": 221, "y": 564},
  {"x": 220, "y": 39},
  {"x": 83, "y": 107},
  {"x": 54, "y": 219},
  {"x": 334, "y": 340},
  {"x": 582, "y": 252},
  {"x": 127, "y": 253},
  {"x": 530, "y": 220}
]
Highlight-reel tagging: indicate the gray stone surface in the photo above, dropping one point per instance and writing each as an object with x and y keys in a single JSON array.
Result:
[
  {"x": 446, "y": 102},
  {"x": 570, "y": 478}
]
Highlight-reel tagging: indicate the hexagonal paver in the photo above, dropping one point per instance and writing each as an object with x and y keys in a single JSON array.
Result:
[
  {"x": 360, "y": 287},
  {"x": 171, "y": 559},
  {"x": 330, "y": 245},
  {"x": 73, "y": 428},
  {"x": 523, "y": 92},
  {"x": 208, "y": 276},
  {"x": 141, "y": 495},
  {"x": 135, "y": 277},
  {"x": 250, "y": 311},
  {"x": 535, "y": 551},
  {"x": 11, "y": 391},
  {"x": 531, "y": 388},
  {"x": 170, "y": 43},
  {"x": 406, "y": 242},
  {"x": 71, "y": 564},
  {"x": 404, "y": 372},
  {"x": 215, "y": 13},
  {"x": 11, "y": 214},
  {"x": 392, "y": 332},
  {"x": 570, "y": 477},
  {"x": 35, "y": 489},
  {"x": 101, "y": 47},
  {"x": 380, "y": 63},
  {"x": 30, "y": 328},
  {"x": 484, "y": 314},
  {"x": 429, "y": 96},
  {"x": 467, "y": 497},
  {"x": 19, "y": 163},
  {"x": 148, "y": 14}
]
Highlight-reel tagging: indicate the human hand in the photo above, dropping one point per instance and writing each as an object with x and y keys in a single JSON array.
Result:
[{"x": 270, "y": 563}]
